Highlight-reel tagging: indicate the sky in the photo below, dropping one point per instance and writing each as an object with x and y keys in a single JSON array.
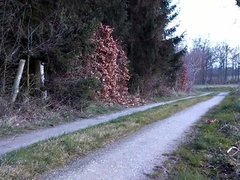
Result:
[{"x": 216, "y": 20}]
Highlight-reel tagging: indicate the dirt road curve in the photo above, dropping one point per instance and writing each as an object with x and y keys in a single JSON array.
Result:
[{"x": 133, "y": 156}]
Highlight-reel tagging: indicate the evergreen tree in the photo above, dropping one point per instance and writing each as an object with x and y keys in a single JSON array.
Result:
[
  {"x": 114, "y": 13},
  {"x": 152, "y": 49},
  {"x": 238, "y": 2}
]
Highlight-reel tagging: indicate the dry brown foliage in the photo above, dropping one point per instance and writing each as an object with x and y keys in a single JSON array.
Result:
[
  {"x": 183, "y": 80},
  {"x": 109, "y": 64}
]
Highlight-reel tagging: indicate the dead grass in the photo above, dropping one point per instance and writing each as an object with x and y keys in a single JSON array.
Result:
[
  {"x": 30, "y": 162},
  {"x": 37, "y": 115}
]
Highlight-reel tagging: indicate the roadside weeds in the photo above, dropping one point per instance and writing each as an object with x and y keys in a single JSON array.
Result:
[{"x": 38, "y": 115}]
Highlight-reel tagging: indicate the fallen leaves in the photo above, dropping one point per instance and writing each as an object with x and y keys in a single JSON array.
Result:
[{"x": 211, "y": 121}]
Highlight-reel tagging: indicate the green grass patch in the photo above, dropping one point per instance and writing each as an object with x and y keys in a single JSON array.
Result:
[
  {"x": 37, "y": 159},
  {"x": 205, "y": 156},
  {"x": 215, "y": 88},
  {"x": 99, "y": 109}
]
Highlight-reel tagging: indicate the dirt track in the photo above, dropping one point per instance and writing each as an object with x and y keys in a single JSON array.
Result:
[{"x": 134, "y": 156}]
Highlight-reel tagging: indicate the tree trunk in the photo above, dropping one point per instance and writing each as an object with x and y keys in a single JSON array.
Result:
[
  {"x": 226, "y": 75},
  {"x": 28, "y": 75},
  {"x": 238, "y": 72},
  {"x": 233, "y": 71},
  {"x": 211, "y": 75},
  {"x": 226, "y": 66},
  {"x": 37, "y": 75},
  {"x": 222, "y": 71},
  {"x": 4, "y": 75},
  {"x": 17, "y": 80}
]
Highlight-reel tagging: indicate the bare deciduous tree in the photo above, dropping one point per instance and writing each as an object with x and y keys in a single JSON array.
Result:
[{"x": 213, "y": 64}]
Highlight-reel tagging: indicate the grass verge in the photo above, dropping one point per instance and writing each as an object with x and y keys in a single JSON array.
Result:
[
  {"x": 39, "y": 158},
  {"x": 40, "y": 117},
  {"x": 205, "y": 155},
  {"x": 216, "y": 88}
]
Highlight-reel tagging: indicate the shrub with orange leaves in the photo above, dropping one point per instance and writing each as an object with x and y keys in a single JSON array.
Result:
[
  {"x": 109, "y": 64},
  {"x": 183, "y": 80}
]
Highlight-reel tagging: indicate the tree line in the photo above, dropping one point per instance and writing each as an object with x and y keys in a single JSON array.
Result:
[
  {"x": 213, "y": 64},
  {"x": 40, "y": 40},
  {"x": 205, "y": 63}
]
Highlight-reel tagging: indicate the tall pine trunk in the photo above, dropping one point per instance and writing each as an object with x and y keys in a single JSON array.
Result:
[{"x": 4, "y": 76}]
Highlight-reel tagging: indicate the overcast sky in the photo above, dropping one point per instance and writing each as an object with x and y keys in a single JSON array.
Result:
[{"x": 217, "y": 20}]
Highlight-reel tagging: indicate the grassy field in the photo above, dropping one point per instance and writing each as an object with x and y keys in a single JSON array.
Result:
[
  {"x": 215, "y": 88},
  {"x": 28, "y": 163},
  {"x": 213, "y": 151}
]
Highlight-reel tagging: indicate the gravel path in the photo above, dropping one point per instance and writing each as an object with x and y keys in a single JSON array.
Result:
[
  {"x": 24, "y": 140},
  {"x": 130, "y": 158}
]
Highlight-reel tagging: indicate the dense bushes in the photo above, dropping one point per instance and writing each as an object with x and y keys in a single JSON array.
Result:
[
  {"x": 110, "y": 65},
  {"x": 152, "y": 46}
]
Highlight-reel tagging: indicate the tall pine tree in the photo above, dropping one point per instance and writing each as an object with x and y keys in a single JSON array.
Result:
[
  {"x": 238, "y": 2},
  {"x": 152, "y": 47}
]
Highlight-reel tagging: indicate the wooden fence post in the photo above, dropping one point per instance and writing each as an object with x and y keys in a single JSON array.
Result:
[{"x": 17, "y": 80}]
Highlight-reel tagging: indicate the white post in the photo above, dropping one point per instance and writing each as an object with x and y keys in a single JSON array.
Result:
[
  {"x": 18, "y": 78},
  {"x": 42, "y": 73}
]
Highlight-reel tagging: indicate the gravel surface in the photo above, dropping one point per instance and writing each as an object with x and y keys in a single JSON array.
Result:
[
  {"x": 24, "y": 140},
  {"x": 136, "y": 155}
]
